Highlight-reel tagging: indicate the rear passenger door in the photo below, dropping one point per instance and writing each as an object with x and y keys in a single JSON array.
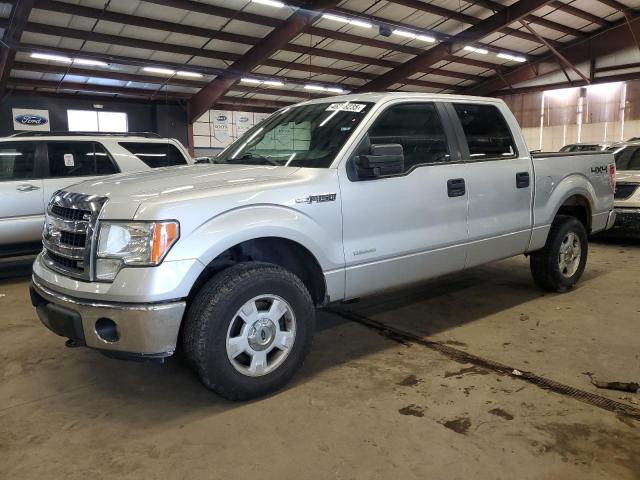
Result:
[
  {"x": 70, "y": 162},
  {"x": 411, "y": 226},
  {"x": 21, "y": 200},
  {"x": 499, "y": 176}
]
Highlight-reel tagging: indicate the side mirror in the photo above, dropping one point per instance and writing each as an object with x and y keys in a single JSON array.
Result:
[{"x": 383, "y": 159}]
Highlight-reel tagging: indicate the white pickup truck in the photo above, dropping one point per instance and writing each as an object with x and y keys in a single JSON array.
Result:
[{"x": 324, "y": 201}]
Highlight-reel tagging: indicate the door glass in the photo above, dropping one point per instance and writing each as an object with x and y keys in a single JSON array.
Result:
[
  {"x": 628, "y": 159},
  {"x": 17, "y": 160},
  {"x": 415, "y": 126},
  {"x": 71, "y": 159},
  {"x": 155, "y": 155},
  {"x": 104, "y": 164},
  {"x": 487, "y": 132}
]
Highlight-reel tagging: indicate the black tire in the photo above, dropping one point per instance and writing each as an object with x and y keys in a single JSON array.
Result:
[
  {"x": 211, "y": 312},
  {"x": 544, "y": 263}
]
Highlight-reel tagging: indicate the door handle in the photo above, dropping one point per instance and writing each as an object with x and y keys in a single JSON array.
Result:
[
  {"x": 27, "y": 187},
  {"x": 522, "y": 179},
  {"x": 456, "y": 187}
]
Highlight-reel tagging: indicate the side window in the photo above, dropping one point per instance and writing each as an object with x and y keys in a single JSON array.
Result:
[
  {"x": 415, "y": 126},
  {"x": 17, "y": 160},
  {"x": 487, "y": 132},
  {"x": 78, "y": 159},
  {"x": 155, "y": 155},
  {"x": 628, "y": 159}
]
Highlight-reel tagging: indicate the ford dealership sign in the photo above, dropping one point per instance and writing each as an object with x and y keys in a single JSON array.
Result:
[{"x": 27, "y": 119}]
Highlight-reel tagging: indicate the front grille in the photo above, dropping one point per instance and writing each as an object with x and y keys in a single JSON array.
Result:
[
  {"x": 624, "y": 190},
  {"x": 69, "y": 213},
  {"x": 76, "y": 266},
  {"x": 70, "y": 223},
  {"x": 73, "y": 239}
]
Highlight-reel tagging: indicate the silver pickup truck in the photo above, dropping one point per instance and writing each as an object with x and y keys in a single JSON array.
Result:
[{"x": 324, "y": 201}]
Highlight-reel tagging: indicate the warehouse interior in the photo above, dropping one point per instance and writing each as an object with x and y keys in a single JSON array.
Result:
[{"x": 475, "y": 373}]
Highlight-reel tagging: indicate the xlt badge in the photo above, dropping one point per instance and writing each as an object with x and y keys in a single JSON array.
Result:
[{"x": 325, "y": 197}]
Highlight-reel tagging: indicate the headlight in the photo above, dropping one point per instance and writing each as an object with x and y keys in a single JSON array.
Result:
[{"x": 132, "y": 243}]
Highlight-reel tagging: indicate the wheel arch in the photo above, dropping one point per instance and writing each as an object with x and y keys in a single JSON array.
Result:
[{"x": 281, "y": 251}]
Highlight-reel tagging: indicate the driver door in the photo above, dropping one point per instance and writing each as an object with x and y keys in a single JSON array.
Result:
[{"x": 413, "y": 225}]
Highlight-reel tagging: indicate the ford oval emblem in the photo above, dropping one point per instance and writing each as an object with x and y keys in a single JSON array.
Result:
[
  {"x": 29, "y": 119},
  {"x": 244, "y": 119},
  {"x": 221, "y": 118}
]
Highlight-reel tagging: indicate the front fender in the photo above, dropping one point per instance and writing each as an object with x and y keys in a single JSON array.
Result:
[{"x": 321, "y": 237}]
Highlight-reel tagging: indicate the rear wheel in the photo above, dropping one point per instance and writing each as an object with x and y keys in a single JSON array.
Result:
[
  {"x": 249, "y": 329},
  {"x": 560, "y": 264}
]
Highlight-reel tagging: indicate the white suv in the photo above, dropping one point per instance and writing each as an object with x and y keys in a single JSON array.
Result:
[{"x": 34, "y": 165}]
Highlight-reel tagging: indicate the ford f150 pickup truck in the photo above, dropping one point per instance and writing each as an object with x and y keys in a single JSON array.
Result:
[{"x": 324, "y": 201}]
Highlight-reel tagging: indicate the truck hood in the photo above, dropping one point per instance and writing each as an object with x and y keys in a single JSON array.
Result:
[
  {"x": 628, "y": 176},
  {"x": 144, "y": 185}
]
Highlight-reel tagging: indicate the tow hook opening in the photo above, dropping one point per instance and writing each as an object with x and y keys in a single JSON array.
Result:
[{"x": 107, "y": 330}]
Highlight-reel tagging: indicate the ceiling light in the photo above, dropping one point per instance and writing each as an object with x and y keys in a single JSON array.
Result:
[
  {"x": 269, "y": 3},
  {"x": 335, "y": 89},
  {"x": 414, "y": 36},
  {"x": 274, "y": 83},
  {"x": 482, "y": 51},
  {"x": 351, "y": 21},
  {"x": 189, "y": 74},
  {"x": 317, "y": 88},
  {"x": 515, "y": 58},
  {"x": 163, "y": 71},
  {"x": 93, "y": 63},
  {"x": 53, "y": 58},
  {"x": 251, "y": 80}
]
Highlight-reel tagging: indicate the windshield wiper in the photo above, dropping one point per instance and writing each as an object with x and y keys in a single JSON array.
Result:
[{"x": 254, "y": 158}]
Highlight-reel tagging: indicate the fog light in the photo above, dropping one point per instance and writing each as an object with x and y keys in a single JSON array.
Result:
[{"x": 107, "y": 330}]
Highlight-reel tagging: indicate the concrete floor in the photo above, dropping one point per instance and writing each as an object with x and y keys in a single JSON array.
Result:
[{"x": 363, "y": 406}]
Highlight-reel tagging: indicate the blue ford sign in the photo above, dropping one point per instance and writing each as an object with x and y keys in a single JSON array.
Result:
[
  {"x": 221, "y": 118},
  {"x": 31, "y": 119}
]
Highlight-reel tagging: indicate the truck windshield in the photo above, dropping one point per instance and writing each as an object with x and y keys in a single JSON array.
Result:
[
  {"x": 628, "y": 158},
  {"x": 305, "y": 136}
]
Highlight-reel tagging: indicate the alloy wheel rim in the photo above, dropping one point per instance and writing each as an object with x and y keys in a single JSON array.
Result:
[
  {"x": 569, "y": 255},
  {"x": 261, "y": 335}
]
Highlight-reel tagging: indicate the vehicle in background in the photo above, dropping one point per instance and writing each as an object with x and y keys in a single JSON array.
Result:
[
  {"x": 586, "y": 147},
  {"x": 205, "y": 159},
  {"x": 627, "y": 196},
  {"x": 33, "y": 165},
  {"x": 328, "y": 200}
]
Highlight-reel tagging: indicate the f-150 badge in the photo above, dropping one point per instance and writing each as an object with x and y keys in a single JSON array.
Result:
[{"x": 325, "y": 197}]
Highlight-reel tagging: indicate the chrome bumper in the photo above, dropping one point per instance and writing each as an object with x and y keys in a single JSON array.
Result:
[{"x": 142, "y": 329}]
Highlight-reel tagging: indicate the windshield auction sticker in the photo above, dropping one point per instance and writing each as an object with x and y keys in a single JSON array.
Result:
[{"x": 346, "y": 107}]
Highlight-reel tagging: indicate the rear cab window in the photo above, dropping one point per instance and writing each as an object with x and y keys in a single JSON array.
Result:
[
  {"x": 17, "y": 160},
  {"x": 78, "y": 159},
  {"x": 486, "y": 131},
  {"x": 155, "y": 155}
]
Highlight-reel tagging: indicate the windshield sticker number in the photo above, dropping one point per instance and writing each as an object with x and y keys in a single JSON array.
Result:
[{"x": 346, "y": 107}]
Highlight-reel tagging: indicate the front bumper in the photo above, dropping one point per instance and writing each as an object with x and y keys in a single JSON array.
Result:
[
  {"x": 141, "y": 330},
  {"x": 627, "y": 218}
]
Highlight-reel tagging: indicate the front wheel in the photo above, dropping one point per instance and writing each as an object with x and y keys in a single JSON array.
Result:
[
  {"x": 560, "y": 264},
  {"x": 249, "y": 329}
]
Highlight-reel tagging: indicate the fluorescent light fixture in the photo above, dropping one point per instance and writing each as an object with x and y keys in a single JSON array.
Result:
[
  {"x": 250, "y": 80},
  {"x": 274, "y": 83},
  {"x": 515, "y": 58},
  {"x": 189, "y": 74},
  {"x": 53, "y": 58},
  {"x": 269, "y": 3},
  {"x": 93, "y": 63},
  {"x": 335, "y": 89},
  {"x": 317, "y": 88},
  {"x": 482, "y": 51},
  {"x": 350, "y": 21},
  {"x": 255, "y": 81},
  {"x": 414, "y": 36},
  {"x": 163, "y": 71}
]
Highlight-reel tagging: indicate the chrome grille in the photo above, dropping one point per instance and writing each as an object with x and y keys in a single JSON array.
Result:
[
  {"x": 68, "y": 232},
  {"x": 624, "y": 190}
]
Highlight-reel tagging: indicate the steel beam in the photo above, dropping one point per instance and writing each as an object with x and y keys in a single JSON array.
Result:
[
  {"x": 16, "y": 23},
  {"x": 513, "y": 13},
  {"x": 603, "y": 42}
]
